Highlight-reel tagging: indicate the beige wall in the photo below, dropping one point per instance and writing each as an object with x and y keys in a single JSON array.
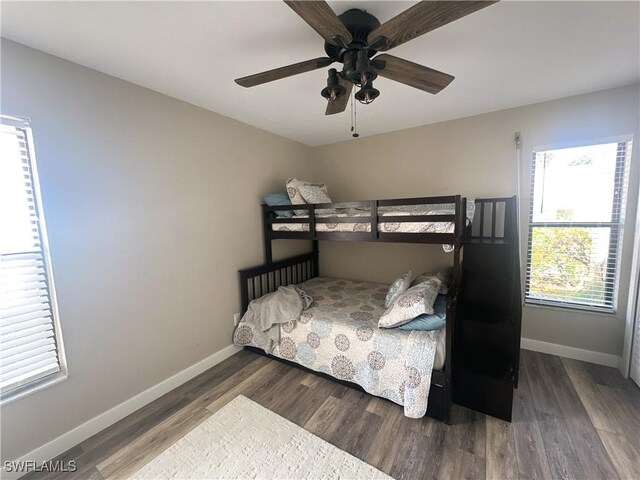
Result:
[
  {"x": 476, "y": 156},
  {"x": 151, "y": 209}
]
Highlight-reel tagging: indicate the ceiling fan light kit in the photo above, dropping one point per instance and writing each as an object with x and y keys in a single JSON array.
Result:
[{"x": 356, "y": 37}]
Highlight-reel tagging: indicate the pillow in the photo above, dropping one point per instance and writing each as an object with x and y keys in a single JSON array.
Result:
[
  {"x": 398, "y": 287},
  {"x": 277, "y": 199},
  {"x": 442, "y": 274},
  {"x": 293, "y": 185},
  {"x": 316, "y": 194},
  {"x": 426, "y": 322},
  {"x": 413, "y": 302}
]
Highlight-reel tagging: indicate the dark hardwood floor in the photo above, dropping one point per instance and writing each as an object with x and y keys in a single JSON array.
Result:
[{"x": 571, "y": 420}]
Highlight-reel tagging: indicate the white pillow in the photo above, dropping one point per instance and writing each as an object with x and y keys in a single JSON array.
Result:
[
  {"x": 398, "y": 287},
  {"x": 317, "y": 194},
  {"x": 314, "y": 193},
  {"x": 293, "y": 190},
  {"x": 413, "y": 302},
  {"x": 442, "y": 274}
]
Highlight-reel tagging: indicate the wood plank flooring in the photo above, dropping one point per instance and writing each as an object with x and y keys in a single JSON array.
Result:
[{"x": 571, "y": 420}]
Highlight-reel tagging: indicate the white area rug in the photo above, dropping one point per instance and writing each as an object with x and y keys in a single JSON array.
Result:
[{"x": 245, "y": 440}]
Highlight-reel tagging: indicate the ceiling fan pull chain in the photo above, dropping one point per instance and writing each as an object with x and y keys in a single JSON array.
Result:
[
  {"x": 351, "y": 110},
  {"x": 354, "y": 119}
]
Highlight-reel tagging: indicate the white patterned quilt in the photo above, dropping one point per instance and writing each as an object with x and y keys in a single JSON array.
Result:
[{"x": 339, "y": 335}]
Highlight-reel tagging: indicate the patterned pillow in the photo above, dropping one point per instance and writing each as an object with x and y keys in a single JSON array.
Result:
[
  {"x": 398, "y": 287},
  {"x": 413, "y": 302},
  {"x": 293, "y": 185},
  {"x": 316, "y": 194},
  {"x": 426, "y": 322},
  {"x": 442, "y": 274}
]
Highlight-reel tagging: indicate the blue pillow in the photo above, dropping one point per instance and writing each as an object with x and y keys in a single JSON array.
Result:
[
  {"x": 430, "y": 322},
  {"x": 277, "y": 199}
]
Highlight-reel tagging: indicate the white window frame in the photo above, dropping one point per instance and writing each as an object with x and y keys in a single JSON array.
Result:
[
  {"x": 38, "y": 384},
  {"x": 619, "y": 225}
]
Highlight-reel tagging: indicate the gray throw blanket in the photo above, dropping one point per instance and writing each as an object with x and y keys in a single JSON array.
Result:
[{"x": 269, "y": 311}]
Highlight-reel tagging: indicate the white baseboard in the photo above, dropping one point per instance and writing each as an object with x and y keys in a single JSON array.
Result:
[
  {"x": 79, "y": 434},
  {"x": 590, "y": 356}
]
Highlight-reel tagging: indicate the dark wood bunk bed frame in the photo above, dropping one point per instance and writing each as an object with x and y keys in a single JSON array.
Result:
[{"x": 266, "y": 278}]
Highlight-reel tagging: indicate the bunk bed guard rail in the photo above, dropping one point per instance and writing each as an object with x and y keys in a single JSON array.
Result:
[{"x": 306, "y": 226}]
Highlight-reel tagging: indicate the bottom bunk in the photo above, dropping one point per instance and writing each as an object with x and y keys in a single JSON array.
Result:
[{"x": 338, "y": 337}]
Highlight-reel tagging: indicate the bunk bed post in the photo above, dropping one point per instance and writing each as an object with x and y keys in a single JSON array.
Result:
[
  {"x": 448, "y": 361},
  {"x": 316, "y": 258},
  {"x": 312, "y": 220},
  {"x": 459, "y": 229},
  {"x": 266, "y": 230},
  {"x": 458, "y": 233},
  {"x": 315, "y": 249},
  {"x": 512, "y": 208},
  {"x": 244, "y": 294},
  {"x": 374, "y": 219},
  {"x": 465, "y": 230}
]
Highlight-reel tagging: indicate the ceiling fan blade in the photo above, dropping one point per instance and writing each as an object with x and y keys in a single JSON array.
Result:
[
  {"x": 412, "y": 74},
  {"x": 322, "y": 19},
  {"x": 283, "y": 72},
  {"x": 341, "y": 103},
  {"x": 423, "y": 17}
]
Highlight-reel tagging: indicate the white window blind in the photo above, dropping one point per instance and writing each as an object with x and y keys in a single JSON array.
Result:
[
  {"x": 576, "y": 219},
  {"x": 30, "y": 341}
]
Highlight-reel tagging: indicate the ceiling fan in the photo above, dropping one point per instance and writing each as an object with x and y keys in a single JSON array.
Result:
[{"x": 355, "y": 37}]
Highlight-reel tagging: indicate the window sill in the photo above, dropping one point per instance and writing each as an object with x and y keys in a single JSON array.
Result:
[
  {"x": 33, "y": 387},
  {"x": 570, "y": 309}
]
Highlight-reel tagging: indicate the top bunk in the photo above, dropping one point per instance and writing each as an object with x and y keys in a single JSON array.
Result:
[
  {"x": 446, "y": 220},
  {"x": 437, "y": 220}
]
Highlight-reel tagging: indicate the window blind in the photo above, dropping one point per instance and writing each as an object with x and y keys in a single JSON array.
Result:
[
  {"x": 30, "y": 342},
  {"x": 576, "y": 218}
]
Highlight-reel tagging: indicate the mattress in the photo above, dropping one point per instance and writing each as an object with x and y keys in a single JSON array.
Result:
[{"x": 339, "y": 335}]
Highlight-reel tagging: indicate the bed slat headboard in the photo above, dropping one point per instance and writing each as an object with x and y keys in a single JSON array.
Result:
[{"x": 263, "y": 279}]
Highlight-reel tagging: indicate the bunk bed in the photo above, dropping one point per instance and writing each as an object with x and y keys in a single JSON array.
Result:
[{"x": 444, "y": 220}]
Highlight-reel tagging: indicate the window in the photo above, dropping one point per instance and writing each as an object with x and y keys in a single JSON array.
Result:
[
  {"x": 576, "y": 218},
  {"x": 31, "y": 354}
]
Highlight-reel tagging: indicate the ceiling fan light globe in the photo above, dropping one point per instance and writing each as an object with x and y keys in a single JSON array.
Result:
[
  {"x": 365, "y": 78},
  {"x": 333, "y": 90},
  {"x": 367, "y": 94},
  {"x": 333, "y": 93},
  {"x": 363, "y": 73}
]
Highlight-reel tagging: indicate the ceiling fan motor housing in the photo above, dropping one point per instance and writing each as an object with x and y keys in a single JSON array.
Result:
[{"x": 360, "y": 24}]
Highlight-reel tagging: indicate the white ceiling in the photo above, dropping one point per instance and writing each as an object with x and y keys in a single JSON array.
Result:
[{"x": 509, "y": 54}]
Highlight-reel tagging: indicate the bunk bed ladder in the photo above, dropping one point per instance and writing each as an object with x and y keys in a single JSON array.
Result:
[{"x": 487, "y": 337}]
